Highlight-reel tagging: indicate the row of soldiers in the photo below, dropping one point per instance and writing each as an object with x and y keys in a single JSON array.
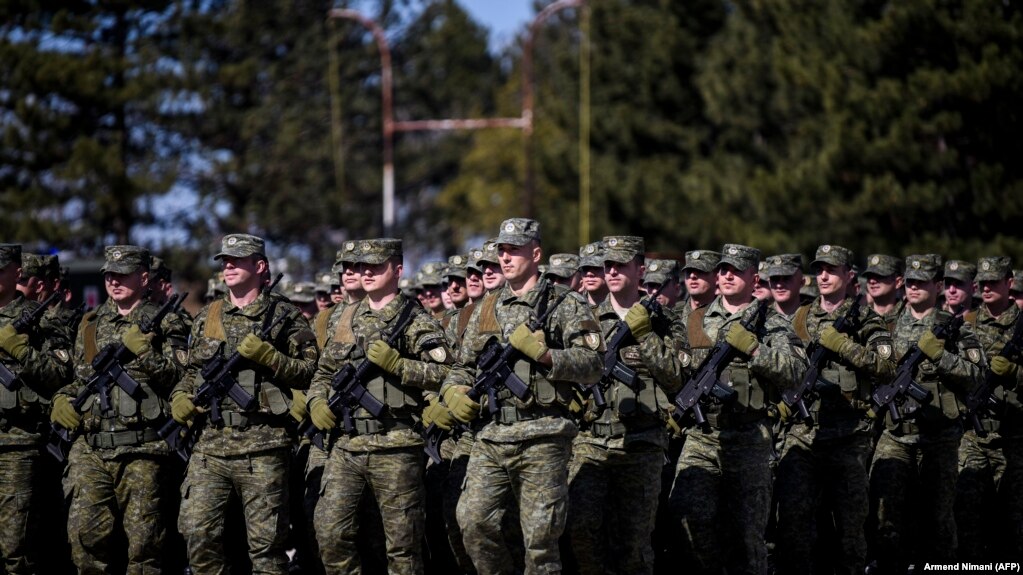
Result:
[{"x": 565, "y": 466}]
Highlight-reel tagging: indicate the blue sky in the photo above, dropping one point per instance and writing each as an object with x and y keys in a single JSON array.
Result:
[{"x": 505, "y": 18}]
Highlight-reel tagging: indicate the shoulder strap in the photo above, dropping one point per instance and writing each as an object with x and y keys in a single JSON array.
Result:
[
  {"x": 698, "y": 338},
  {"x": 320, "y": 326},
  {"x": 88, "y": 329},
  {"x": 971, "y": 317},
  {"x": 799, "y": 323},
  {"x": 343, "y": 330},
  {"x": 463, "y": 319},
  {"x": 214, "y": 328},
  {"x": 488, "y": 315}
]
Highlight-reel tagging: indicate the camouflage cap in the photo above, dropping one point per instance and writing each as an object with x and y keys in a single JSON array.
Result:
[
  {"x": 739, "y": 256},
  {"x": 10, "y": 253},
  {"x": 762, "y": 273},
  {"x": 474, "y": 260},
  {"x": 622, "y": 249},
  {"x": 240, "y": 246},
  {"x": 832, "y": 254},
  {"x": 125, "y": 259},
  {"x": 923, "y": 267},
  {"x": 883, "y": 265},
  {"x": 563, "y": 265},
  {"x": 39, "y": 266},
  {"x": 377, "y": 251},
  {"x": 456, "y": 266},
  {"x": 701, "y": 260},
  {"x": 519, "y": 231},
  {"x": 301, "y": 292},
  {"x": 781, "y": 265},
  {"x": 432, "y": 274},
  {"x": 993, "y": 268},
  {"x": 809, "y": 288},
  {"x": 660, "y": 271},
  {"x": 489, "y": 253},
  {"x": 325, "y": 279},
  {"x": 592, "y": 255},
  {"x": 215, "y": 287},
  {"x": 1017, "y": 281},
  {"x": 960, "y": 270},
  {"x": 158, "y": 269}
]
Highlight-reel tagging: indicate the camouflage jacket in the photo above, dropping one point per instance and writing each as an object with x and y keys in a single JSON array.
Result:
[
  {"x": 993, "y": 333},
  {"x": 292, "y": 338},
  {"x": 849, "y": 378},
  {"x": 957, "y": 370},
  {"x": 156, "y": 371},
  {"x": 571, "y": 333},
  {"x": 662, "y": 362},
  {"x": 47, "y": 367},
  {"x": 427, "y": 361}
]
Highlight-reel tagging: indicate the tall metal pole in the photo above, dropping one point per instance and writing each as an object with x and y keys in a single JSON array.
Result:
[
  {"x": 584, "y": 126},
  {"x": 387, "y": 105}
]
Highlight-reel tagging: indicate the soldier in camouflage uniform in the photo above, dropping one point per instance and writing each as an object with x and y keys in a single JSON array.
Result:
[
  {"x": 615, "y": 470},
  {"x": 913, "y": 474},
  {"x": 700, "y": 281},
  {"x": 247, "y": 452},
  {"x": 429, "y": 284},
  {"x": 523, "y": 452},
  {"x": 1016, "y": 288},
  {"x": 958, "y": 288},
  {"x": 785, "y": 276},
  {"x": 884, "y": 286},
  {"x": 824, "y": 463},
  {"x": 564, "y": 269},
  {"x": 989, "y": 499},
  {"x": 762, "y": 291},
  {"x": 386, "y": 453},
  {"x": 591, "y": 272},
  {"x": 454, "y": 280},
  {"x": 662, "y": 276},
  {"x": 722, "y": 488},
  {"x": 41, "y": 360},
  {"x": 115, "y": 467}
]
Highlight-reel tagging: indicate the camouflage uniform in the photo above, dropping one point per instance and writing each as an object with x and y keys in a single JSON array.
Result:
[
  {"x": 615, "y": 470},
  {"x": 384, "y": 455},
  {"x": 989, "y": 499},
  {"x": 523, "y": 452},
  {"x": 247, "y": 453},
  {"x": 45, "y": 367},
  {"x": 702, "y": 260},
  {"x": 722, "y": 488},
  {"x": 114, "y": 475},
  {"x": 825, "y": 465},
  {"x": 913, "y": 474}
]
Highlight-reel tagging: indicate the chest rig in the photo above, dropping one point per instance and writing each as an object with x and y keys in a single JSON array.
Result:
[{"x": 839, "y": 386}]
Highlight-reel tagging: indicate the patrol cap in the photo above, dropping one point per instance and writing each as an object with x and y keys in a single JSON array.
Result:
[
  {"x": 701, "y": 260},
  {"x": 960, "y": 270},
  {"x": 883, "y": 265},
  {"x": 622, "y": 249},
  {"x": 489, "y": 254},
  {"x": 125, "y": 259},
  {"x": 660, "y": 271},
  {"x": 1017, "y": 281},
  {"x": 215, "y": 287},
  {"x": 474, "y": 260},
  {"x": 40, "y": 266},
  {"x": 158, "y": 269},
  {"x": 592, "y": 255},
  {"x": 781, "y": 265},
  {"x": 325, "y": 279},
  {"x": 432, "y": 274},
  {"x": 809, "y": 288},
  {"x": 519, "y": 231},
  {"x": 10, "y": 253},
  {"x": 923, "y": 267},
  {"x": 762, "y": 277},
  {"x": 739, "y": 256},
  {"x": 563, "y": 265},
  {"x": 377, "y": 251},
  {"x": 832, "y": 254},
  {"x": 456, "y": 266},
  {"x": 407, "y": 287},
  {"x": 301, "y": 292},
  {"x": 993, "y": 268},
  {"x": 240, "y": 246}
]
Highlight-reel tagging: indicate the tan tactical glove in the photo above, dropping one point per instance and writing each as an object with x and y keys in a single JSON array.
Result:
[
  {"x": 742, "y": 339},
  {"x": 531, "y": 344},
  {"x": 299, "y": 411},
  {"x": 638, "y": 320},
  {"x": 136, "y": 341},
  {"x": 931, "y": 346},
  {"x": 459, "y": 404},
  {"x": 438, "y": 414},
  {"x": 385, "y": 356},
  {"x": 257, "y": 350},
  {"x": 64, "y": 414},
  {"x": 14, "y": 343},
  {"x": 321, "y": 415},
  {"x": 182, "y": 408}
]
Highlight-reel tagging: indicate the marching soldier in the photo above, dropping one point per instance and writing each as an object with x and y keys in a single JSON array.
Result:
[
  {"x": 885, "y": 287},
  {"x": 591, "y": 272},
  {"x": 785, "y": 276},
  {"x": 700, "y": 280}
]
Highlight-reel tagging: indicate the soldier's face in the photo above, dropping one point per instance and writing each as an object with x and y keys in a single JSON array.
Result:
[
  {"x": 32, "y": 288},
  {"x": 622, "y": 278},
  {"x": 9, "y": 276},
  {"x": 492, "y": 276},
  {"x": 243, "y": 272},
  {"x": 518, "y": 263},
  {"x": 786, "y": 288},
  {"x": 380, "y": 278},
  {"x": 995, "y": 293},
  {"x": 593, "y": 278},
  {"x": 1018, "y": 296},
  {"x": 474, "y": 283},
  {"x": 668, "y": 294},
  {"x": 351, "y": 278},
  {"x": 957, "y": 292},
  {"x": 922, "y": 293},
  {"x": 322, "y": 300},
  {"x": 125, "y": 288},
  {"x": 880, "y": 286},
  {"x": 732, "y": 282},
  {"x": 431, "y": 298},
  {"x": 833, "y": 279},
  {"x": 698, "y": 282},
  {"x": 456, "y": 290}
]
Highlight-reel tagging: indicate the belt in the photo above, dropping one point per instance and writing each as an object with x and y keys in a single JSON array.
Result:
[
  {"x": 731, "y": 420},
  {"x": 511, "y": 414},
  {"x": 245, "y": 420},
  {"x": 111, "y": 439},
  {"x": 382, "y": 425},
  {"x": 917, "y": 427},
  {"x": 613, "y": 429}
]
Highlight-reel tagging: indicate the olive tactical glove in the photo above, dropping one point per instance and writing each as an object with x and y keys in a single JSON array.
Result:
[
  {"x": 931, "y": 346},
  {"x": 321, "y": 415},
  {"x": 14, "y": 343},
  {"x": 64, "y": 413},
  {"x": 385, "y": 356},
  {"x": 742, "y": 339},
  {"x": 461, "y": 406},
  {"x": 182, "y": 408},
  {"x": 437, "y": 414},
  {"x": 298, "y": 406},
  {"x": 638, "y": 320},
  {"x": 136, "y": 341},
  {"x": 257, "y": 350},
  {"x": 529, "y": 343}
]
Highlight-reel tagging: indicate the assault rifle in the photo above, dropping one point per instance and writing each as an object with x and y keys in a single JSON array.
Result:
[
  {"x": 108, "y": 371},
  {"x": 807, "y": 390},
  {"x": 26, "y": 323},
  {"x": 982, "y": 398},
  {"x": 349, "y": 390},
  {"x": 614, "y": 369},
  {"x": 493, "y": 372},
  {"x": 892, "y": 395},
  {"x": 707, "y": 379},
  {"x": 220, "y": 380}
]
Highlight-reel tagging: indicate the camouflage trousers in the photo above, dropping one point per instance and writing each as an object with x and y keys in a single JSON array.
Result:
[
  {"x": 613, "y": 495},
  {"x": 912, "y": 493},
  {"x": 107, "y": 493},
  {"x": 532, "y": 475},
  {"x": 722, "y": 497},
  {"x": 17, "y": 477},
  {"x": 452, "y": 492},
  {"x": 816, "y": 472},
  {"x": 313, "y": 482},
  {"x": 989, "y": 497},
  {"x": 395, "y": 478},
  {"x": 260, "y": 481}
]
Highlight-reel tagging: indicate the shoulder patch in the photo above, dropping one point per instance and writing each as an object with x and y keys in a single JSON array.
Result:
[
  {"x": 973, "y": 354},
  {"x": 182, "y": 356},
  {"x": 884, "y": 350},
  {"x": 62, "y": 355},
  {"x": 592, "y": 340},
  {"x": 685, "y": 359},
  {"x": 438, "y": 354}
]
